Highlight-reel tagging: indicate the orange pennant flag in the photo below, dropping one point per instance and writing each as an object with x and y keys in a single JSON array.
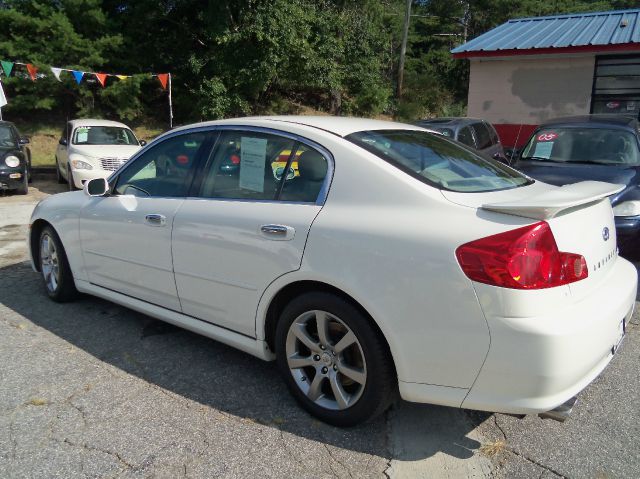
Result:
[
  {"x": 163, "y": 77},
  {"x": 102, "y": 78},
  {"x": 32, "y": 71}
]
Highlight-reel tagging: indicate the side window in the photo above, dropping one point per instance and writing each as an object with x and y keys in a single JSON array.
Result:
[
  {"x": 482, "y": 135},
  {"x": 493, "y": 133},
  {"x": 306, "y": 176},
  {"x": 246, "y": 165},
  {"x": 163, "y": 171},
  {"x": 465, "y": 137}
]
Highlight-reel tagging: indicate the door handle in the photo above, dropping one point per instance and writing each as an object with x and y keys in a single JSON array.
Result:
[
  {"x": 278, "y": 232},
  {"x": 156, "y": 220}
]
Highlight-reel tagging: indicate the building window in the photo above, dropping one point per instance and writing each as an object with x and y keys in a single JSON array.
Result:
[{"x": 616, "y": 85}]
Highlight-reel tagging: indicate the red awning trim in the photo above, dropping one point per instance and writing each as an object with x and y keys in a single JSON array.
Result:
[{"x": 621, "y": 47}]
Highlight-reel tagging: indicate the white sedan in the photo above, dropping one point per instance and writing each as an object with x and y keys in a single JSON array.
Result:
[
  {"x": 367, "y": 258},
  {"x": 90, "y": 149}
]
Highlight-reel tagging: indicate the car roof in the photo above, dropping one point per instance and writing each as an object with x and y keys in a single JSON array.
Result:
[
  {"x": 6, "y": 123},
  {"x": 593, "y": 121},
  {"x": 91, "y": 122},
  {"x": 337, "y": 125}
]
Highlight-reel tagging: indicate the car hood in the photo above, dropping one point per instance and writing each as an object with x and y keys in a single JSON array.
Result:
[
  {"x": 6, "y": 149},
  {"x": 101, "y": 151},
  {"x": 563, "y": 174}
]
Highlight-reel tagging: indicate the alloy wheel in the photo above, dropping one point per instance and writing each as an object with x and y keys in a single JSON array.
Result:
[
  {"x": 49, "y": 264},
  {"x": 326, "y": 360}
]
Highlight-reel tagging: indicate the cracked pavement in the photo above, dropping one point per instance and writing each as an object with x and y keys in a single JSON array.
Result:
[{"x": 90, "y": 389}]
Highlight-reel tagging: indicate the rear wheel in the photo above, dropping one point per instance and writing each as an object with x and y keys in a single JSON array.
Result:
[
  {"x": 55, "y": 269},
  {"x": 333, "y": 361}
]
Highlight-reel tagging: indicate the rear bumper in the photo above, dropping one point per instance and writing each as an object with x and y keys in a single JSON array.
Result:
[{"x": 535, "y": 364}]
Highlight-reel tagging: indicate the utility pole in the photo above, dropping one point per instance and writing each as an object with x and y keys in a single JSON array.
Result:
[{"x": 403, "y": 48}]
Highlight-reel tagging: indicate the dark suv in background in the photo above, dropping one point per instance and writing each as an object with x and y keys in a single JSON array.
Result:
[
  {"x": 591, "y": 147},
  {"x": 473, "y": 132}
]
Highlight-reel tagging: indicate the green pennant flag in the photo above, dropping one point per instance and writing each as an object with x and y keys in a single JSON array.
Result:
[{"x": 7, "y": 67}]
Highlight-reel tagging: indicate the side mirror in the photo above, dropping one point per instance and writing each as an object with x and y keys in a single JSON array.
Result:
[
  {"x": 143, "y": 142},
  {"x": 23, "y": 141},
  {"x": 63, "y": 142},
  {"x": 96, "y": 187}
]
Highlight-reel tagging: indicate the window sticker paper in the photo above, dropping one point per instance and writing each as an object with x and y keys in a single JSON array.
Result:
[
  {"x": 253, "y": 155},
  {"x": 543, "y": 149},
  {"x": 82, "y": 135}
]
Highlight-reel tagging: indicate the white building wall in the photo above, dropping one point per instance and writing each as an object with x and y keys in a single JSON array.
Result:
[{"x": 530, "y": 90}]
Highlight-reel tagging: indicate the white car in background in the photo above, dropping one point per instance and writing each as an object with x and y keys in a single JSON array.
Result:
[
  {"x": 395, "y": 260},
  {"x": 93, "y": 149}
]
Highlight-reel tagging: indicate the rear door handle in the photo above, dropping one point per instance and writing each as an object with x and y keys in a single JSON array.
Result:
[
  {"x": 278, "y": 232},
  {"x": 156, "y": 220}
]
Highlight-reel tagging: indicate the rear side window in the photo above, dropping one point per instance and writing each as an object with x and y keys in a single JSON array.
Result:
[
  {"x": 466, "y": 137},
  {"x": 249, "y": 165},
  {"x": 483, "y": 137},
  {"x": 437, "y": 161}
]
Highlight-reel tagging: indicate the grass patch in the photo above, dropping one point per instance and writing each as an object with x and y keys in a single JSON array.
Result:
[
  {"x": 37, "y": 402},
  {"x": 44, "y": 140},
  {"x": 492, "y": 449}
]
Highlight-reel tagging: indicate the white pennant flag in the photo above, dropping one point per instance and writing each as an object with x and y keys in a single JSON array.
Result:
[
  {"x": 3, "y": 99},
  {"x": 56, "y": 72}
]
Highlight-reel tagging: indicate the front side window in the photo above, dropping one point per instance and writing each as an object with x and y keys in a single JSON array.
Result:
[
  {"x": 164, "y": 170},
  {"x": 483, "y": 137},
  {"x": 103, "y": 135},
  {"x": 248, "y": 165},
  {"x": 438, "y": 161},
  {"x": 606, "y": 146},
  {"x": 466, "y": 137}
]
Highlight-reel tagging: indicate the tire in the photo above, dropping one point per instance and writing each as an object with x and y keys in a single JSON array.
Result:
[
  {"x": 23, "y": 189},
  {"x": 59, "y": 177},
  {"x": 72, "y": 185},
  {"x": 314, "y": 369},
  {"x": 54, "y": 266}
]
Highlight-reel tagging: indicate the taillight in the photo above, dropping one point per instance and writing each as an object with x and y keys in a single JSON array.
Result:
[{"x": 524, "y": 258}]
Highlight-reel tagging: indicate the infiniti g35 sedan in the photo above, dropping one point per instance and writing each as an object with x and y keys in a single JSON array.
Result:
[{"x": 393, "y": 261}]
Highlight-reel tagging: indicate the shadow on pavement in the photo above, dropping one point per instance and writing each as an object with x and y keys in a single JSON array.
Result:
[{"x": 223, "y": 378}]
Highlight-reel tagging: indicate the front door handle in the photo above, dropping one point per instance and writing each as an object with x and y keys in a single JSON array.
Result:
[
  {"x": 278, "y": 232},
  {"x": 155, "y": 220}
]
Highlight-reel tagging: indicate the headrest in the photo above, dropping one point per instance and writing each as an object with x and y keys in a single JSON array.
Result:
[{"x": 312, "y": 166}]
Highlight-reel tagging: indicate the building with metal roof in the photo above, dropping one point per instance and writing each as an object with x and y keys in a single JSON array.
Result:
[{"x": 529, "y": 70}]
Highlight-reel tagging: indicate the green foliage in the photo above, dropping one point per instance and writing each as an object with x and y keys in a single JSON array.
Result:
[{"x": 243, "y": 57}]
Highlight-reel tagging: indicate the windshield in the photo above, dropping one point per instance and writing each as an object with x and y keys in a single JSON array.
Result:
[
  {"x": 103, "y": 135},
  {"x": 438, "y": 161},
  {"x": 583, "y": 145},
  {"x": 448, "y": 132},
  {"x": 6, "y": 137}
]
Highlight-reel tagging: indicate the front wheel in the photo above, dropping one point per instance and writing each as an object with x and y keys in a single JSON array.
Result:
[
  {"x": 59, "y": 176},
  {"x": 72, "y": 185},
  {"x": 23, "y": 189},
  {"x": 333, "y": 361},
  {"x": 55, "y": 269}
]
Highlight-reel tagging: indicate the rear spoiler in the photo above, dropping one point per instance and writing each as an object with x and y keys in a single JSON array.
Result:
[{"x": 548, "y": 204}]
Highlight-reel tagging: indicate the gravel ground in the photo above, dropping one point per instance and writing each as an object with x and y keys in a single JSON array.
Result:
[{"x": 91, "y": 389}]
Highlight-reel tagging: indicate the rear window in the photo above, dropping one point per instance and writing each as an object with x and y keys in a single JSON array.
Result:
[{"x": 438, "y": 161}]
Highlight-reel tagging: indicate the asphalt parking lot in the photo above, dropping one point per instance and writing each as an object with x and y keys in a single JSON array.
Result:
[{"x": 91, "y": 389}]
